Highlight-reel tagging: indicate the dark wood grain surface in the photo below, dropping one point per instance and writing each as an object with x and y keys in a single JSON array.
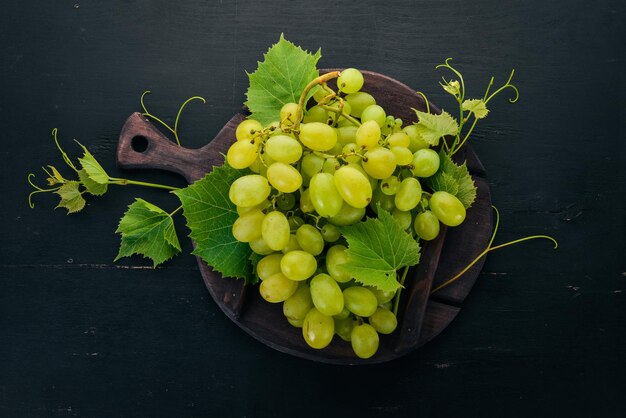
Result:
[{"x": 542, "y": 333}]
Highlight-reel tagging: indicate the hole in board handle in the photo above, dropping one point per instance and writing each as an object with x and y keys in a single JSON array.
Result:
[{"x": 139, "y": 143}]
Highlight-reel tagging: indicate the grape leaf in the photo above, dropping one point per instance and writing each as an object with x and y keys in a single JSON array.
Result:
[
  {"x": 210, "y": 216},
  {"x": 55, "y": 176},
  {"x": 377, "y": 248},
  {"x": 433, "y": 127},
  {"x": 71, "y": 197},
  {"x": 476, "y": 106},
  {"x": 96, "y": 189},
  {"x": 280, "y": 79},
  {"x": 448, "y": 170},
  {"x": 92, "y": 167},
  {"x": 147, "y": 230}
]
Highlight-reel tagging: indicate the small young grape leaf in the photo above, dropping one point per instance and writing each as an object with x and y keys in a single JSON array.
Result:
[
  {"x": 210, "y": 216},
  {"x": 448, "y": 171},
  {"x": 377, "y": 248},
  {"x": 55, "y": 176},
  {"x": 434, "y": 127},
  {"x": 476, "y": 106},
  {"x": 147, "y": 230},
  {"x": 92, "y": 167},
  {"x": 279, "y": 79},
  {"x": 453, "y": 87},
  {"x": 96, "y": 189},
  {"x": 71, "y": 197}
]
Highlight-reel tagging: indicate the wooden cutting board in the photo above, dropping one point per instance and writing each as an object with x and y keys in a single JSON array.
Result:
[{"x": 421, "y": 316}]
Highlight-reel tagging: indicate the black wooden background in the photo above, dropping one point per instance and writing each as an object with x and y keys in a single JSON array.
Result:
[{"x": 543, "y": 333}]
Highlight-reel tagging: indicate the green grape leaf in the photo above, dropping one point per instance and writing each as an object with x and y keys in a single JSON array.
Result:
[
  {"x": 476, "y": 106},
  {"x": 465, "y": 190},
  {"x": 444, "y": 182},
  {"x": 96, "y": 189},
  {"x": 279, "y": 79},
  {"x": 55, "y": 176},
  {"x": 210, "y": 216},
  {"x": 254, "y": 260},
  {"x": 92, "y": 167},
  {"x": 147, "y": 230},
  {"x": 377, "y": 248},
  {"x": 433, "y": 127},
  {"x": 71, "y": 197},
  {"x": 453, "y": 87}
]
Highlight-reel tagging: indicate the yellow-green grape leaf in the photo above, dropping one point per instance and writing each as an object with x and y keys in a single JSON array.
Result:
[
  {"x": 441, "y": 180},
  {"x": 210, "y": 216},
  {"x": 434, "y": 127},
  {"x": 55, "y": 176},
  {"x": 92, "y": 167},
  {"x": 377, "y": 248},
  {"x": 279, "y": 79},
  {"x": 147, "y": 230},
  {"x": 476, "y": 106},
  {"x": 71, "y": 197},
  {"x": 453, "y": 87},
  {"x": 96, "y": 189}
]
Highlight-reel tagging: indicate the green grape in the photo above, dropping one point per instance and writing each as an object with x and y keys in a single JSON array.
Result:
[
  {"x": 299, "y": 304},
  {"x": 326, "y": 295},
  {"x": 353, "y": 186},
  {"x": 375, "y": 113},
  {"x": 275, "y": 230},
  {"x": 265, "y": 204},
  {"x": 386, "y": 305},
  {"x": 403, "y": 155},
  {"x": 341, "y": 121},
  {"x": 417, "y": 142},
  {"x": 360, "y": 301},
  {"x": 373, "y": 182},
  {"x": 409, "y": 194},
  {"x": 316, "y": 114},
  {"x": 283, "y": 148},
  {"x": 426, "y": 225},
  {"x": 247, "y": 227},
  {"x": 343, "y": 314},
  {"x": 335, "y": 256},
  {"x": 311, "y": 164},
  {"x": 255, "y": 167},
  {"x": 383, "y": 321},
  {"x": 364, "y": 340},
  {"x": 295, "y": 221},
  {"x": 379, "y": 162},
  {"x": 344, "y": 327},
  {"x": 367, "y": 135},
  {"x": 382, "y": 296},
  {"x": 347, "y": 215},
  {"x": 249, "y": 190},
  {"x": 288, "y": 113},
  {"x": 336, "y": 150},
  {"x": 284, "y": 177},
  {"x": 447, "y": 208},
  {"x": 390, "y": 185},
  {"x": 246, "y": 129},
  {"x": 398, "y": 139},
  {"x": 306, "y": 205},
  {"x": 292, "y": 245},
  {"x": 379, "y": 199},
  {"x": 425, "y": 162},
  {"x": 296, "y": 323},
  {"x": 330, "y": 233},
  {"x": 318, "y": 329},
  {"x": 324, "y": 195},
  {"x": 350, "y": 150},
  {"x": 350, "y": 80},
  {"x": 242, "y": 154},
  {"x": 320, "y": 95},
  {"x": 277, "y": 288},
  {"x": 259, "y": 246},
  {"x": 397, "y": 124},
  {"x": 330, "y": 165},
  {"x": 310, "y": 239},
  {"x": 285, "y": 201},
  {"x": 346, "y": 134},
  {"x": 318, "y": 136},
  {"x": 298, "y": 265},
  {"x": 268, "y": 265},
  {"x": 403, "y": 218},
  {"x": 359, "y": 101}
]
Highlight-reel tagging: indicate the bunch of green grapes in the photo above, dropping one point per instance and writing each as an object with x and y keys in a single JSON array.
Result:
[{"x": 314, "y": 171}]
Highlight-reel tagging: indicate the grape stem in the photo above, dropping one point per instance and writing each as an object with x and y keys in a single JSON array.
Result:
[
  {"x": 315, "y": 82},
  {"x": 396, "y": 301}
]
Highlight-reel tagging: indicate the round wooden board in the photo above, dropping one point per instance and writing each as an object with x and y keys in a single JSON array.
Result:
[{"x": 422, "y": 316}]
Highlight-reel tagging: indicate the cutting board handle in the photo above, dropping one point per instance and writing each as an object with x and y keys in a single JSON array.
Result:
[{"x": 142, "y": 145}]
